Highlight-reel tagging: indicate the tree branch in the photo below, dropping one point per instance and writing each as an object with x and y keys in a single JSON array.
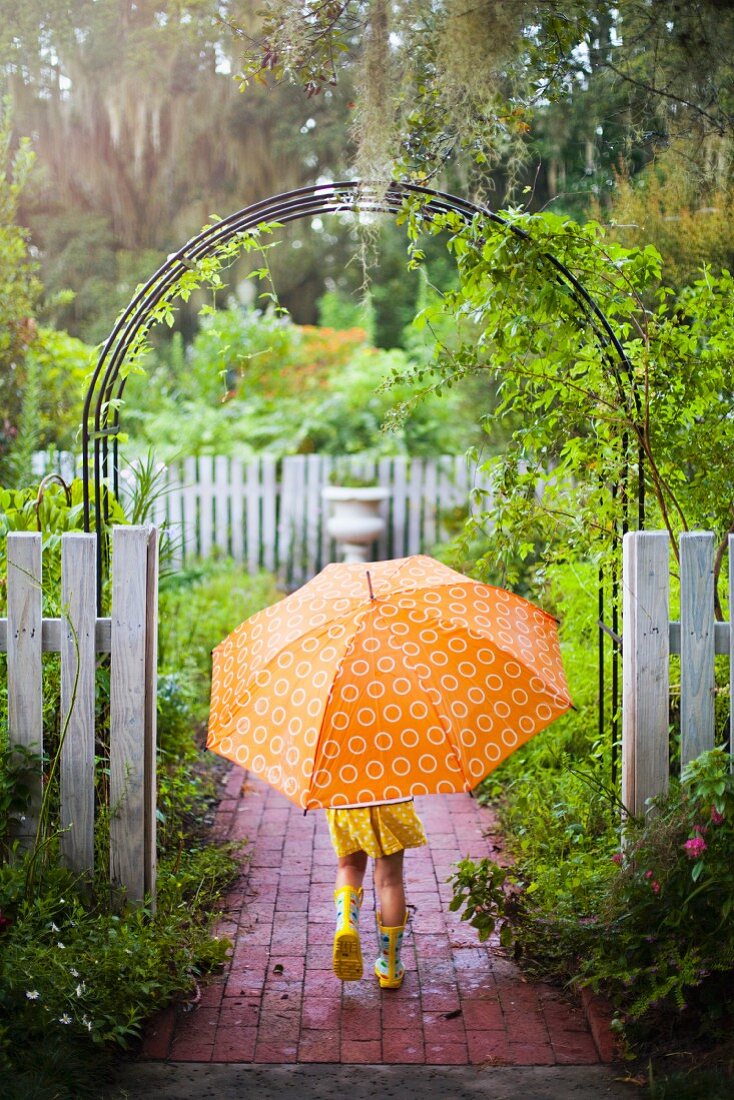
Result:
[{"x": 719, "y": 126}]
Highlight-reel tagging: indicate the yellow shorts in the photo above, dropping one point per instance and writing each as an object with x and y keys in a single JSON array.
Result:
[{"x": 376, "y": 830}]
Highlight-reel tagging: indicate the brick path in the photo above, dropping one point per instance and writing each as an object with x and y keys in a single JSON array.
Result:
[{"x": 278, "y": 1002}]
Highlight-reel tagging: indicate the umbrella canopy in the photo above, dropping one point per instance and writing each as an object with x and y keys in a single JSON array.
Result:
[{"x": 376, "y": 682}]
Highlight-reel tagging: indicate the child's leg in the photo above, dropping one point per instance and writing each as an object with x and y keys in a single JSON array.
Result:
[
  {"x": 347, "y": 953},
  {"x": 351, "y": 869},
  {"x": 390, "y": 889},
  {"x": 391, "y": 918}
]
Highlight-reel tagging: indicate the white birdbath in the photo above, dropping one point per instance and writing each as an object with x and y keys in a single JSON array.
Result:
[{"x": 355, "y": 521}]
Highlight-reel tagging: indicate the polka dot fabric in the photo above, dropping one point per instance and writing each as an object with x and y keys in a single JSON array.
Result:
[
  {"x": 340, "y": 699},
  {"x": 376, "y": 830}
]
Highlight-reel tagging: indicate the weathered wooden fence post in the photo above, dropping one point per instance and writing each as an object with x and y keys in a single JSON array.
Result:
[
  {"x": 649, "y": 640},
  {"x": 645, "y": 668},
  {"x": 131, "y": 638},
  {"x": 25, "y": 683},
  {"x": 133, "y": 710},
  {"x": 696, "y": 644},
  {"x": 78, "y": 646}
]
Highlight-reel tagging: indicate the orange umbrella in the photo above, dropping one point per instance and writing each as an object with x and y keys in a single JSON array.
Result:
[{"x": 375, "y": 682}]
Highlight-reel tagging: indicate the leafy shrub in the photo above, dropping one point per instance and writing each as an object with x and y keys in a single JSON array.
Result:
[
  {"x": 252, "y": 382},
  {"x": 71, "y": 971},
  {"x": 199, "y": 606},
  {"x": 649, "y": 925},
  {"x": 79, "y": 975},
  {"x": 52, "y": 508},
  {"x": 15, "y": 763},
  {"x": 64, "y": 364},
  {"x": 479, "y": 889},
  {"x": 664, "y": 929}
]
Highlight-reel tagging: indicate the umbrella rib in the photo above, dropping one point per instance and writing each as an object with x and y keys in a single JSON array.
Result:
[
  {"x": 247, "y": 687},
  {"x": 438, "y": 716},
  {"x": 310, "y": 632},
  {"x": 449, "y": 628}
]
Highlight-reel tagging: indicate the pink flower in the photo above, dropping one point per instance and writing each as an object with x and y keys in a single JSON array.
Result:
[
  {"x": 716, "y": 817},
  {"x": 617, "y": 858},
  {"x": 700, "y": 829},
  {"x": 655, "y": 887},
  {"x": 695, "y": 847},
  {"x": 648, "y": 874}
]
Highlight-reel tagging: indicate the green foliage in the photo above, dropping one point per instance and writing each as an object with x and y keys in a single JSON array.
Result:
[
  {"x": 19, "y": 287},
  {"x": 119, "y": 188},
  {"x": 63, "y": 364},
  {"x": 433, "y": 81},
  {"x": 713, "y": 1082},
  {"x": 480, "y": 890},
  {"x": 368, "y": 410},
  {"x": 15, "y": 763},
  {"x": 339, "y": 311},
  {"x": 202, "y": 270},
  {"x": 649, "y": 925},
  {"x": 51, "y": 395},
  {"x": 51, "y": 507},
  {"x": 492, "y": 90},
  {"x": 199, "y": 606},
  {"x": 688, "y": 218},
  {"x": 663, "y": 942},
  {"x": 579, "y": 414},
  {"x": 79, "y": 974},
  {"x": 18, "y": 462},
  {"x": 256, "y": 382},
  {"x": 71, "y": 971}
]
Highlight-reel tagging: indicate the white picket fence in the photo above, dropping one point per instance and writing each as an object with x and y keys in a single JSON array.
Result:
[
  {"x": 269, "y": 513},
  {"x": 648, "y": 642},
  {"x": 129, "y": 636}
]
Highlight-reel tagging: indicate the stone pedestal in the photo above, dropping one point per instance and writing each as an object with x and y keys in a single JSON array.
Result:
[{"x": 355, "y": 521}]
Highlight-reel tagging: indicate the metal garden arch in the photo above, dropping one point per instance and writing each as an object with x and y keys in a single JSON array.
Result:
[{"x": 101, "y": 415}]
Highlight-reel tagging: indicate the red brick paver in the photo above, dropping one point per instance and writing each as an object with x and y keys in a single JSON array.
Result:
[{"x": 461, "y": 1003}]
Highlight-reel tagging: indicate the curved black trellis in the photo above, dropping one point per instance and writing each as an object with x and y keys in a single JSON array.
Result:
[{"x": 101, "y": 415}]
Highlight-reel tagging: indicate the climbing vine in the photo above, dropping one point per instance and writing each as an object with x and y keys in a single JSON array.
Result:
[{"x": 580, "y": 414}]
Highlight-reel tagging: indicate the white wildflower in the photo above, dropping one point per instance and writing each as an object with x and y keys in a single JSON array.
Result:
[
  {"x": 74, "y": 973},
  {"x": 61, "y": 945},
  {"x": 87, "y": 1023},
  {"x": 81, "y": 988},
  {"x": 32, "y": 994},
  {"x": 65, "y": 1018},
  {"x": 55, "y": 927}
]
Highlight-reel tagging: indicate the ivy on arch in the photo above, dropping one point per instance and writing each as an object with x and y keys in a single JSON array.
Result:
[{"x": 198, "y": 263}]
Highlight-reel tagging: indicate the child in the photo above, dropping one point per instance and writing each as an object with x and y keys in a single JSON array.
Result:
[{"x": 383, "y": 832}]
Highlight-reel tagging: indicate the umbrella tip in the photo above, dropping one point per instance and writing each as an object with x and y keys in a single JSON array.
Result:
[{"x": 369, "y": 584}]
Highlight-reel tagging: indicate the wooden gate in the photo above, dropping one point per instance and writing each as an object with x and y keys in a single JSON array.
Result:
[
  {"x": 650, "y": 637},
  {"x": 129, "y": 636}
]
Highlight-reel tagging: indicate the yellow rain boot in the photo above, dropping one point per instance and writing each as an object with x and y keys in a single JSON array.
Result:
[
  {"x": 347, "y": 954},
  {"x": 388, "y": 967}
]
